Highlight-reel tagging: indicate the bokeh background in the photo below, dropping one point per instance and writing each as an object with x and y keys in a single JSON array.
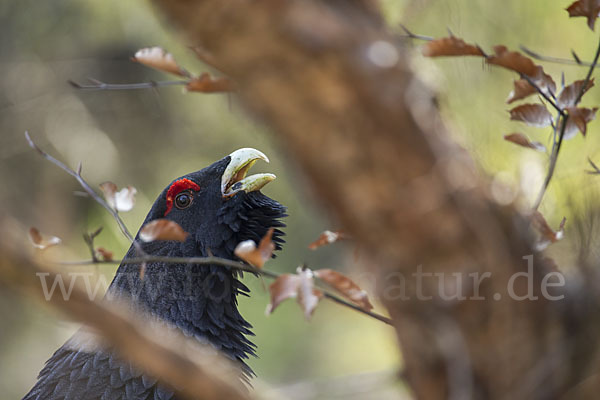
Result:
[{"x": 146, "y": 138}]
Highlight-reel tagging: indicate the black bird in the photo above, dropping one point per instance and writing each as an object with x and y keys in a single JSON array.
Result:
[{"x": 219, "y": 206}]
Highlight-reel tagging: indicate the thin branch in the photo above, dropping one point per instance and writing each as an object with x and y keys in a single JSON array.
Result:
[
  {"x": 565, "y": 118},
  {"x": 212, "y": 260},
  {"x": 543, "y": 94},
  {"x": 412, "y": 35},
  {"x": 557, "y": 60},
  {"x": 553, "y": 160},
  {"x": 589, "y": 75},
  {"x": 99, "y": 85},
  {"x": 84, "y": 185},
  {"x": 596, "y": 170},
  {"x": 88, "y": 238},
  {"x": 353, "y": 306}
]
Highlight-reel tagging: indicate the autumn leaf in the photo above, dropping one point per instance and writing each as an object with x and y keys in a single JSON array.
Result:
[
  {"x": 109, "y": 190},
  {"x": 346, "y": 286},
  {"x": 206, "y": 84},
  {"x": 327, "y": 237},
  {"x": 544, "y": 81},
  {"x": 160, "y": 59},
  {"x": 450, "y": 46},
  {"x": 578, "y": 119},
  {"x": 521, "y": 89},
  {"x": 106, "y": 255},
  {"x": 122, "y": 200},
  {"x": 40, "y": 241},
  {"x": 513, "y": 60},
  {"x": 308, "y": 296},
  {"x": 585, "y": 8},
  {"x": 125, "y": 198},
  {"x": 162, "y": 229},
  {"x": 299, "y": 286},
  {"x": 548, "y": 235},
  {"x": 522, "y": 140},
  {"x": 532, "y": 114},
  {"x": 569, "y": 94},
  {"x": 256, "y": 256},
  {"x": 283, "y": 288}
]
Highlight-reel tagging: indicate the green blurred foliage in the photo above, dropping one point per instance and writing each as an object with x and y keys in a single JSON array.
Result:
[{"x": 147, "y": 138}]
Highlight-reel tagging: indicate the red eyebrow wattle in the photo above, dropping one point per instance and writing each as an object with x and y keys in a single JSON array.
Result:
[{"x": 177, "y": 187}]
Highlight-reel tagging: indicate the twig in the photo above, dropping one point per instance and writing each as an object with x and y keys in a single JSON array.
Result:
[
  {"x": 84, "y": 185},
  {"x": 565, "y": 118},
  {"x": 98, "y": 85},
  {"x": 589, "y": 74},
  {"x": 553, "y": 160},
  {"x": 353, "y": 306},
  {"x": 412, "y": 35},
  {"x": 88, "y": 238},
  {"x": 596, "y": 170},
  {"x": 225, "y": 263},
  {"x": 543, "y": 94},
  {"x": 557, "y": 60}
]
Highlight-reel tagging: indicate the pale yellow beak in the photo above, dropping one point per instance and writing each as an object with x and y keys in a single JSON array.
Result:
[{"x": 234, "y": 178}]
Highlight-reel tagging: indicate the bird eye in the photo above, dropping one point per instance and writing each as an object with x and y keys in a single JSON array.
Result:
[{"x": 183, "y": 200}]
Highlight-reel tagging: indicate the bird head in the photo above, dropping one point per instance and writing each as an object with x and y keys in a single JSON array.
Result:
[{"x": 220, "y": 206}]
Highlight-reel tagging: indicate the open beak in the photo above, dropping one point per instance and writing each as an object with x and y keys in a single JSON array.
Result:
[{"x": 234, "y": 178}]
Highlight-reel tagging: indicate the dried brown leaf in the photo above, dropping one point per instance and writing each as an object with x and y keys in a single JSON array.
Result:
[
  {"x": 283, "y": 288},
  {"x": 162, "y": 229},
  {"x": 585, "y": 8},
  {"x": 109, "y": 190},
  {"x": 256, "y": 256},
  {"x": 106, "y": 255},
  {"x": 532, "y": 114},
  {"x": 522, "y": 140},
  {"x": 579, "y": 117},
  {"x": 122, "y": 200},
  {"x": 521, "y": 90},
  {"x": 207, "y": 84},
  {"x": 40, "y": 241},
  {"x": 125, "y": 198},
  {"x": 327, "y": 237},
  {"x": 299, "y": 286},
  {"x": 160, "y": 59},
  {"x": 569, "y": 94},
  {"x": 346, "y": 286},
  {"x": 450, "y": 46},
  {"x": 513, "y": 60},
  {"x": 548, "y": 235},
  {"x": 308, "y": 296},
  {"x": 544, "y": 81}
]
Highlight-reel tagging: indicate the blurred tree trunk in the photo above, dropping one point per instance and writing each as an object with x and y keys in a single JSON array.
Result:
[{"x": 338, "y": 90}]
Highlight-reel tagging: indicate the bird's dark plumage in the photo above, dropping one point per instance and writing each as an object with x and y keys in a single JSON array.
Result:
[{"x": 200, "y": 300}]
